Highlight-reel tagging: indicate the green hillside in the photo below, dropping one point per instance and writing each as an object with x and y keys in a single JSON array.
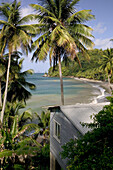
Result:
[{"x": 91, "y": 67}]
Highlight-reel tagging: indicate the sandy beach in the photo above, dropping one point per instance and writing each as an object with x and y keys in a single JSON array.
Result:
[{"x": 101, "y": 83}]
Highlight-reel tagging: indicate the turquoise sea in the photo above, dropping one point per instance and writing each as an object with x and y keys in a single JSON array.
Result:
[{"x": 47, "y": 92}]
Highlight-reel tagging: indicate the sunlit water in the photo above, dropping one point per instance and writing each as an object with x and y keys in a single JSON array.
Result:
[{"x": 47, "y": 92}]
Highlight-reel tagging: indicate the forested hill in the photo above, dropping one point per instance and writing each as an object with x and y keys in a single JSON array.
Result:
[{"x": 92, "y": 68}]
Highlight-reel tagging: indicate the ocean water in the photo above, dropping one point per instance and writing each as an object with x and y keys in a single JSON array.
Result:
[{"x": 47, "y": 92}]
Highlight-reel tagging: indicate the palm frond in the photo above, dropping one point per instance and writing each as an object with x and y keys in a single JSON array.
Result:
[
  {"x": 81, "y": 16},
  {"x": 35, "y": 142},
  {"x": 41, "y": 52},
  {"x": 30, "y": 71},
  {"x": 56, "y": 33},
  {"x": 21, "y": 62},
  {"x": 30, "y": 29},
  {"x": 85, "y": 40},
  {"x": 6, "y": 24},
  {"x": 52, "y": 19},
  {"x": 82, "y": 49},
  {"x": 42, "y": 9},
  {"x": 73, "y": 3},
  {"x": 6, "y": 153},
  {"x": 40, "y": 39},
  {"x": 14, "y": 130},
  {"x": 44, "y": 51},
  {"x": 25, "y": 147},
  {"x": 26, "y": 115},
  {"x": 27, "y": 18},
  {"x": 82, "y": 29}
]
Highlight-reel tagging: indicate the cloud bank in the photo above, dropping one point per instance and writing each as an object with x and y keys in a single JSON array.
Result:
[
  {"x": 103, "y": 43},
  {"x": 100, "y": 28}
]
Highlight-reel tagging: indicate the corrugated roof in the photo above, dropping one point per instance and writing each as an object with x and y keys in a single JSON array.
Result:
[{"x": 81, "y": 113}]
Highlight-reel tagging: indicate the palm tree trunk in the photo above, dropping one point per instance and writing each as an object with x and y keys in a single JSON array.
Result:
[
  {"x": 0, "y": 94},
  {"x": 61, "y": 80},
  {"x": 109, "y": 84},
  {"x": 6, "y": 88}
]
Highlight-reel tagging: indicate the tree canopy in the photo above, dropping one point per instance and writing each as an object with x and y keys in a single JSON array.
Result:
[
  {"x": 62, "y": 32},
  {"x": 91, "y": 69},
  {"x": 13, "y": 35}
]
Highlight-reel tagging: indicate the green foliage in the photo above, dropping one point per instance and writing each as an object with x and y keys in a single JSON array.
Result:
[
  {"x": 17, "y": 79},
  {"x": 13, "y": 35},
  {"x": 44, "y": 123},
  {"x": 62, "y": 30},
  {"x": 91, "y": 69},
  {"x": 42, "y": 159},
  {"x": 18, "y": 82},
  {"x": 95, "y": 149},
  {"x": 18, "y": 150}
]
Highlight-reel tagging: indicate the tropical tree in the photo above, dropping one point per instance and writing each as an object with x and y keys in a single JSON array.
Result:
[
  {"x": 13, "y": 35},
  {"x": 44, "y": 122},
  {"x": 107, "y": 64},
  {"x": 13, "y": 143},
  {"x": 62, "y": 32},
  {"x": 18, "y": 82},
  {"x": 17, "y": 79},
  {"x": 2, "y": 72}
]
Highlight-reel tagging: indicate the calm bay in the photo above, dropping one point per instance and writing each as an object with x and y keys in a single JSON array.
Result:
[{"x": 47, "y": 92}]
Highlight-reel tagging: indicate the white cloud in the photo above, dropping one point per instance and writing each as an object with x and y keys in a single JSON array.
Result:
[
  {"x": 26, "y": 11},
  {"x": 103, "y": 43},
  {"x": 99, "y": 28}
]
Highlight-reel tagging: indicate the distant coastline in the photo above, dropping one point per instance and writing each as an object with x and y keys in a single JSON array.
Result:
[{"x": 101, "y": 83}]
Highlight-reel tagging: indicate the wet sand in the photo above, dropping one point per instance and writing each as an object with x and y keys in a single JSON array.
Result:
[
  {"x": 101, "y": 83},
  {"x": 103, "y": 86}
]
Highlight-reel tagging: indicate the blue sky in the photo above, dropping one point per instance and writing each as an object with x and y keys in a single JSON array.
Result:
[{"x": 102, "y": 26}]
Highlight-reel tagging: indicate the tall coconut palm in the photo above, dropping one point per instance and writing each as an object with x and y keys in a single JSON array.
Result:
[
  {"x": 107, "y": 64},
  {"x": 17, "y": 79},
  {"x": 2, "y": 72},
  {"x": 13, "y": 35},
  {"x": 62, "y": 31}
]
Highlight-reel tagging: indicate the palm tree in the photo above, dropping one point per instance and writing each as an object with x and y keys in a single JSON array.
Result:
[
  {"x": 13, "y": 142},
  {"x": 18, "y": 83},
  {"x": 12, "y": 110},
  {"x": 43, "y": 124},
  {"x": 107, "y": 64},
  {"x": 2, "y": 72},
  {"x": 62, "y": 32},
  {"x": 13, "y": 35},
  {"x": 17, "y": 79}
]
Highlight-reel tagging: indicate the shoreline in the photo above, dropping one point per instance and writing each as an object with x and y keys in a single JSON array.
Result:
[
  {"x": 99, "y": 82},
  {"x": 102, "y": 84}
]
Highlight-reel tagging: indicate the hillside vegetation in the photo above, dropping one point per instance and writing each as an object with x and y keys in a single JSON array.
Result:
[{"x": 91, "y": 67}]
